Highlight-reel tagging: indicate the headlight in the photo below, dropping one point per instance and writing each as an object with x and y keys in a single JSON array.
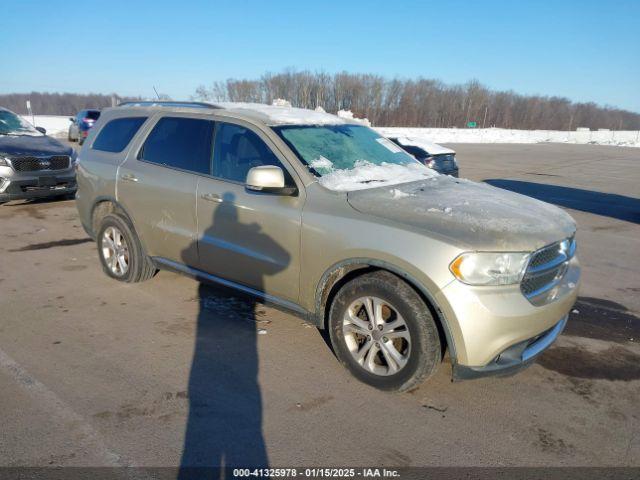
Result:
[
  {"x": 490, "y": 268},
  {"x": 3, "y": 161}
]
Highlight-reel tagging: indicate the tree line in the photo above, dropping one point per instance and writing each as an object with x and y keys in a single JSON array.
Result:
[
  {"x": 385, "y": 102},
  {"x": 58, "y": 103},
  {"x": 420, "y": 102}
]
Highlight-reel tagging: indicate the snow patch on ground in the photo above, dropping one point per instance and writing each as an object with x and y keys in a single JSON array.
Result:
[
  {"x": 368, "y": 175},
  {"x": 502, "y": 135},
  {"x": 58, "y": 125},
  {"x": 55, "y": 125}
]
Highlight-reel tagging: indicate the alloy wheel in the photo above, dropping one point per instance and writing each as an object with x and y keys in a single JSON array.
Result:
[
  {"x": 115, "y": 251},
  {"x": 376, "y": 335}
]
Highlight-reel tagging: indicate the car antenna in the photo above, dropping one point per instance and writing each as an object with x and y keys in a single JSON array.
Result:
[{"x": 157, "y": 94}]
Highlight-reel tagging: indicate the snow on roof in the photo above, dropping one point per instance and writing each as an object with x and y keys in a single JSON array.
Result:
[
  {"x": 429, "y": 147},
  {"x": 283, "y": 115},
  {"x": 348, "y": 114}
]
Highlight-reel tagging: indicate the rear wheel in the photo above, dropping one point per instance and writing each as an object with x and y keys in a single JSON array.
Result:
[
  {"x": 120, "y": 252},
  {"x": 383, "y": 332}
]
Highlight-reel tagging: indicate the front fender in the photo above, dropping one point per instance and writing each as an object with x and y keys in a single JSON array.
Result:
[{"x": 336, "y": 272}]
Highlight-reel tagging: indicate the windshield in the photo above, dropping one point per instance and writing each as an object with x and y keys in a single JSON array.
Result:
[
  {"x": 12, "y": 124},
  {"x": 351, "y": 157}
]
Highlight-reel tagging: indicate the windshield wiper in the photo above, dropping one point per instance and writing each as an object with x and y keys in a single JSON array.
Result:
[{"x": 371, "y": 181}]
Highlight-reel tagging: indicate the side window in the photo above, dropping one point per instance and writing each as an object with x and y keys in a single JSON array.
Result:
[
  {"x": 238, "y": 150},
  {"x": 117, "y": 134},
  {"x": 183, "y": 143}
]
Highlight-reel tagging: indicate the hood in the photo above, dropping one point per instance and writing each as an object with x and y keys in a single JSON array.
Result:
[
  {"x": 32, "y": 145},
  {"x": 429, "y": 147},
  {"x": 473, "y": 216}
]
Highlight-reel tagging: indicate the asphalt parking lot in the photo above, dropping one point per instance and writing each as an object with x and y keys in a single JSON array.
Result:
[{"x": 94, "y": 372}]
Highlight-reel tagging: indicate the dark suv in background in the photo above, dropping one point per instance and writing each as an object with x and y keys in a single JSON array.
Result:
[
  {"x": 81, "y": 124},
  {"x": 439, "y": 158},
  {"x": 32, "y": 164}
]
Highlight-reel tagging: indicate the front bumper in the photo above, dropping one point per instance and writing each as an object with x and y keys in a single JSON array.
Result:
[
  {"x": 37, "y": 186},
  {"x": 513, "y": 359},
  {"x": 492, "y": 328}
]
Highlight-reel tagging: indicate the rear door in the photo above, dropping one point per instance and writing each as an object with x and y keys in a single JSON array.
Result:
[
  {"x": 157, "y": 185},
  {"x": 249, "y": 237}
]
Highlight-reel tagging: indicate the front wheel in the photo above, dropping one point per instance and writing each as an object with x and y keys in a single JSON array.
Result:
[{"x": 383, "y": 332}]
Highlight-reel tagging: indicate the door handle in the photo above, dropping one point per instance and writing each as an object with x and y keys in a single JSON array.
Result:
[
  {"x": 129, "y": 178},
  {"x": 211, "y": 197}
]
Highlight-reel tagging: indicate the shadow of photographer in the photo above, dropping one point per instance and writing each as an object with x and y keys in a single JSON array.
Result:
[{"x": 224, "y": 426}]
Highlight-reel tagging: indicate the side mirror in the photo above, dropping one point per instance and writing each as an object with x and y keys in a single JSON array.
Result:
[
  {"x": 41, "y": 130},
  {"x": 268, "y": 179},
  {"x": 72, "y": 119}
]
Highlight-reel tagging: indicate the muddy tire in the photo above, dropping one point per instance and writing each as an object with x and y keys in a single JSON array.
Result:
[
  {"x": 383, "y": 332},
  {"x": 121, "y": 253}
]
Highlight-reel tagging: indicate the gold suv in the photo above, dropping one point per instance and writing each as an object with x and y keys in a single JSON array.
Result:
[{"x": 326, "y": 218}]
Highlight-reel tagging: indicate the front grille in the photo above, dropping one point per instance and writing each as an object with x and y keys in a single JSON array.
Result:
[
  {"x": 38, "y": 164},
  {"x": 546, "y": 268},
  {"x": 532, "y": 284},
  {"x": 544, "y": 255},
  {"x": 44, "y": 188}
]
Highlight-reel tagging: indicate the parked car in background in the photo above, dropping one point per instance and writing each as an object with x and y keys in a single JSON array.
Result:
[
  {"x": 439, "y": 158},
  {"x": 32, "y": 164},
  {"x": 81, "y": 124},
  {"x": 325, "y": 217}
]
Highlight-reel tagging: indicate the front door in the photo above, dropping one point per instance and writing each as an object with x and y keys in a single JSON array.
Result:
[{"x": 250, "y": 238}]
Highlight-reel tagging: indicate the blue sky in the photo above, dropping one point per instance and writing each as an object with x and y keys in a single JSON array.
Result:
[{"x": 585, "y": 50}]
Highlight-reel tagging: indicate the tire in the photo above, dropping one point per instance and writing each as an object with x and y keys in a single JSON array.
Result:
[
  {"x": 69, "y": 136},
  {"x": 130, "y": 264},
  {"x": 80, "y": 139},
  {"x": 404, "y": 324}
]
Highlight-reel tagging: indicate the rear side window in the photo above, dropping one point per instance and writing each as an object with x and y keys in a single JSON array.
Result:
[
  {"x": 92, "y": 114},
  {"x": 183, "y": 143},
  {"x": 238, "y": 150},
  {"x": 117, "y": 134}
]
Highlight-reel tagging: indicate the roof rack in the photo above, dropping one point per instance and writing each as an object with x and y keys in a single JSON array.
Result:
[{"x": 162, "y": 103}]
